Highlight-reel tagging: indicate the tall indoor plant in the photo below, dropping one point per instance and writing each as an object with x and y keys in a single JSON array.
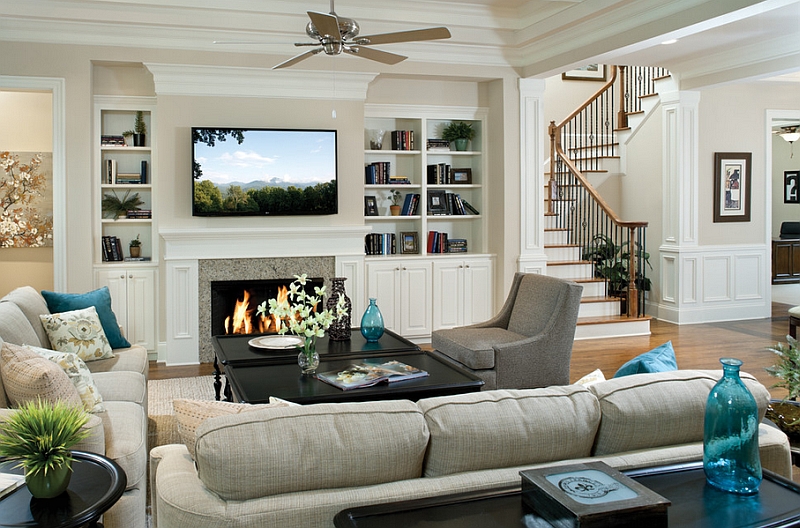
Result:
[
  {"x": 786, "y": 413},
  {"x": 139, "y": 130},
  {"x": 39, "y": 436}
]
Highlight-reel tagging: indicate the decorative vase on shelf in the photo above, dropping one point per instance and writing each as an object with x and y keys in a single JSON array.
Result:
[
  {"x": 372, "y": 322},
  {"x": 461, "y": 144},
  {"x": 308, "y": 358},
  {"x": 339, "y": 330},
  {"x": 730, "y": 439},
  {"x": 46, "y": 485}
]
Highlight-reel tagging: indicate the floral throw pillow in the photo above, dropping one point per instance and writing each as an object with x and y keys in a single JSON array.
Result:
[
  {"x": 78, "y": 332},
  {"x": 79, "y": 374}
]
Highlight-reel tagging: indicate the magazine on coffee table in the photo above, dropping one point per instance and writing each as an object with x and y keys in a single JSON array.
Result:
[{"x": 366, "y": 375}]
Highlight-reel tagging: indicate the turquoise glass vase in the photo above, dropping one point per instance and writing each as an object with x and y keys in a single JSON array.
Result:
[
  {"x": 372, "y": 323},
  {"x": 730, "y": 438}
]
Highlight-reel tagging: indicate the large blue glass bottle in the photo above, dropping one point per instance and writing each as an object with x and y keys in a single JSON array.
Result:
[
  {"x": 730, "y": 440},
  {"x": 372, "y": 323}
]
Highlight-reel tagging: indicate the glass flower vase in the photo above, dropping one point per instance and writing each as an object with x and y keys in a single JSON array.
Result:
[
  {"x": 340, "y": 328},
  {"x": 372, "y": 322},
  {"x": 730, "y": 438},
  {"x": 308, "y": 358}
]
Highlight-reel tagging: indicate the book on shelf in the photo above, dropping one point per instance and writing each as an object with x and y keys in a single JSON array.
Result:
[
  {"x": 10, "y": 482},
  {"x": 139, "y": 213},
  {"x": 410, "y": 205},
  {"x": 438, "y": 145},
  {"x": 439, "y": 174},
  {"x": 138, "y": 259},
  {"x": 377, "y": 173},
  {"x": 112, "y": 141},
  {"x": 402, "y": 140},
  {"x": 128, "y": 178},
  {"x": 469, "y": 207},
  {"x": 457, "y": 245},
  {"x": 437, "y": 242},
  {"x": 399, "y": 180},
  {"x": 143, "y": 172},
  {"x": 110, "y": 171},
  {"x": 380, "y": 244},
  {"x": 368, "y": 374},
  {"x": 112, "y": 249}
]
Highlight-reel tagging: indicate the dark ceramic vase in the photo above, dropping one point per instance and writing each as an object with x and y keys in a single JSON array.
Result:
[{"x": 340, "y": 329}]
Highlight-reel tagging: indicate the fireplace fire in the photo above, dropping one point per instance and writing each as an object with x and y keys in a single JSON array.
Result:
[{"x": 234, "y": 304}]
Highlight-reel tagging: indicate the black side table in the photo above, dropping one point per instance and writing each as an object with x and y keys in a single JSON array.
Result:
[{"x": 96, "y": 484}]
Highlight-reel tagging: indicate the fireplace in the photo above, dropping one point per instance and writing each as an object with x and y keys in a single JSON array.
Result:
[{"x": 234, "y": 304}]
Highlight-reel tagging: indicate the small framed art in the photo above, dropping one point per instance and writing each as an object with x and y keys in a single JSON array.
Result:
[
  {"x": 370, "y": 206},
  {"x": 791, "y": 180},
  {"x": 437, "y": 202},
  {"x": 590, "y": 72},
  {"x": 462, "y": 176},
  {"x": 409, "y": 242},
  {"x": 732, "y": 186}
]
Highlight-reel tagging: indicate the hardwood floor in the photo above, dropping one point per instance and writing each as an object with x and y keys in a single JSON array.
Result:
[{"x": 696, "y": 347}]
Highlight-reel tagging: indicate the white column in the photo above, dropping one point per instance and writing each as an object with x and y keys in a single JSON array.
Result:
[{"x": 532, "y": 157}]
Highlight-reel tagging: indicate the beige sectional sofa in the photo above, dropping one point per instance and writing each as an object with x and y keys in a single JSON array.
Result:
[
  {"x": 299, "y": 466},
  {"x": 120, "y": 433}
]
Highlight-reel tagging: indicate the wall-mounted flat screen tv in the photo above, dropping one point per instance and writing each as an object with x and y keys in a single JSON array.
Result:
[{"x": 259, "y": 171}]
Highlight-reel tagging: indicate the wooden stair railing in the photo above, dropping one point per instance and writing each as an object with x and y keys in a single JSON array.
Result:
[{"x": 616, "y": 247}]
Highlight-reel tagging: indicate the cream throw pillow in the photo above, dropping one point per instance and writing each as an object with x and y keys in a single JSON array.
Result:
[
  {"x": 27, "y": 376},
  {"x": 78, "y": 332},
  {"x": 191, "y": 413},
  {"x": 79, "y": 374},
  {"x": 591, "y": 378}
]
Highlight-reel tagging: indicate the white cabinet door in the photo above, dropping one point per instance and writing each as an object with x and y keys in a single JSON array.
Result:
[
  {"x": 415, "y": 299},
  {"x": 133, "y": 301},
  {"x": 383, "y": 284},
  {"x": 478, "y": 299},
  {"x": 447, "y": 293}
]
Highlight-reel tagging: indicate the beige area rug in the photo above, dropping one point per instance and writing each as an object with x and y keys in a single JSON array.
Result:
[{"x": 161, "y": 427}]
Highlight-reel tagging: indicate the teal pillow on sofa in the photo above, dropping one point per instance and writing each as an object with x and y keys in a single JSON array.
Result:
[
  {"x": 660, "y": 359},
  {"x": 100, "y": 299}
]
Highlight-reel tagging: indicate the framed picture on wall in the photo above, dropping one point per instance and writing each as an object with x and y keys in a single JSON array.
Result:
[
  {"x": 732, "y": 186},
  {"x": 791, "y": 180},
  {"x": 590, "y": 72}
]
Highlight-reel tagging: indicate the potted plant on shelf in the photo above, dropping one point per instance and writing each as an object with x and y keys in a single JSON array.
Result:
[
  {"x": 396, "y": 197},
  {"x": 786, "y": 413},
  {"x": 114, "y": 207},
  {"x": 135, "y": 247},
  {"x": 458, "y": 133},
  {"x": 139, "y": 130},
  {"x": 39, "y": 436}
]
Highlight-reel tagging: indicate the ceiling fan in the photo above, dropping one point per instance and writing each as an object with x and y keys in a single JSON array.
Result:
[{"x": 335, "y": 34}]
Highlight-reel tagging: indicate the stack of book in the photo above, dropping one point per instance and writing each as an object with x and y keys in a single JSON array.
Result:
[
  {"x": 402, "y": 140},
  {"x": 457, "y": 245},
  {"x": 128, "y": 178},
  {"x": 399, "y": 180},
  {"x": 139, "y": 214},
  {"x": 112, "y": 141},
  {"x": 410, "y": 205},
  {"x": 380, "y": 244},
  {"x": 439, "y": 174},
  {"x": 437, "y": 242},
  {"x": 112, "y": 249},
  {"x": 438, "y": 145},
  {"x": 377, "y": 173}
]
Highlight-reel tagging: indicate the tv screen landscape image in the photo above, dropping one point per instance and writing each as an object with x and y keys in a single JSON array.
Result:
[{"x": 259, "y": 171}]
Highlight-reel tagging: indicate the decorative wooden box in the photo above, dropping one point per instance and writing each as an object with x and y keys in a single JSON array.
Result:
[{"x": 591, "y": 495}]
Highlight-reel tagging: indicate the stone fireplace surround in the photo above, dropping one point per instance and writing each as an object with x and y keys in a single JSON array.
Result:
[{"x": 195, "y": 257}]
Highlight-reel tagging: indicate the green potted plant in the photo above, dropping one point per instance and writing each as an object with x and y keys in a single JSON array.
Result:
[
  {"x": 786, "y": 413},
  {"x": 39, "y": 436},
  {"x": 135, "y": 247},
  {"x": 396, "y": 197},
  {"x": 114, "y": 207},
  {"x": 139, "y": 130},
  {"x": 459, "y": 133},
  {"x": 611, "y": 263}
]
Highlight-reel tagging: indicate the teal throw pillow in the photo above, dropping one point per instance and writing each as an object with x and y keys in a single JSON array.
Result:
[
  {"x": 661, "y": 359},
  {"x": 100, "y": 299}
]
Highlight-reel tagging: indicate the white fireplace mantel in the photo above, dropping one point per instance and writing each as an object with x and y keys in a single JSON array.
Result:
[{"x": 185, "y": 248}]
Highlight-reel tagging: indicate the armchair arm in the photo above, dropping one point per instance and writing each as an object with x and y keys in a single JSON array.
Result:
[{"x": 538, "y": 361}]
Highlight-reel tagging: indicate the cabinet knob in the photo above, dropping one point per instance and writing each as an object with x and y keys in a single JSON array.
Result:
[
  {"x": 130, "y": 276},
  {"x": 122, "y": 276},
  {"x": 467, "y": 266},
  {"x": 404, "y": 268}
]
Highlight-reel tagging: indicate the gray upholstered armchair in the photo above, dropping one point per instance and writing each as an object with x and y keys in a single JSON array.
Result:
[{"x": 528, "y": 344}]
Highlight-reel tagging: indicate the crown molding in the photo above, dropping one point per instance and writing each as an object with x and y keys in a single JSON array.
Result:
[{"x": 184, "y": 79}]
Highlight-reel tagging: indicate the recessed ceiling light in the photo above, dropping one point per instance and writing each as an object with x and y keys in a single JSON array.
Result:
[{"x": 670, "y": 41}]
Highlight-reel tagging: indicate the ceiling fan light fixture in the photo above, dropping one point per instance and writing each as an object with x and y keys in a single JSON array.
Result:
[{"x": 791, "y": 137}]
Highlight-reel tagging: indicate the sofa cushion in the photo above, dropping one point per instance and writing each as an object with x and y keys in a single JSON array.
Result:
[
  {"x": 15, "y": 327},
  {"x": 645, "y": 411},
  {"x": 125, "y": 429},
  {"x": 505, "y": 428},
  {"x": 132, "y": 359},
  {"x": 294, "y": 448},
  {"x": 27, "y": 376},
  {"x": 79, "y": 375},
  {"x": 191, "y": 413},
  {"x": 79, "y": 332},
  {"x": 32, "y": 305},
  {"x": 472, "y": 347},
  {"x": 100, "y": 299},
  {"x": 660, "y": 359}
]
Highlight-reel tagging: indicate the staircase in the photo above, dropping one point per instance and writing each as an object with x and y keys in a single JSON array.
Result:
[{"x": 585, "y": 147}]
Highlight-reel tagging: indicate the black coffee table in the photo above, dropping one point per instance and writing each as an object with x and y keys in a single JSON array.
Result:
[
  {"x": 235, "y": 350},
  {"x": 693, "y": 504},
  {"x": 96, "y": 484},
  {"x": 255, "y": 383}
]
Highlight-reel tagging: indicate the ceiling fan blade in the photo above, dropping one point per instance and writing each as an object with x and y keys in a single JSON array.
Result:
[
  {"x": 376, "y": 55},
  {"x": 298, "y": 58},
  {"x": 405, "y": 36},
  {"x": 327, "y": 25}
]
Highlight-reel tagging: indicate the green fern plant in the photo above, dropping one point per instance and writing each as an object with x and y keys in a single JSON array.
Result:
[
  {"x": 787, "y": 369},
  {"x": 40, "y": 434},
  {"x": 114, "y": 207},
  {"x": 458, "y": 130}
]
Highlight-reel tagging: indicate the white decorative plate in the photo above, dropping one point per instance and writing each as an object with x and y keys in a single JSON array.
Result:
[{"x": 276, "y": 342}]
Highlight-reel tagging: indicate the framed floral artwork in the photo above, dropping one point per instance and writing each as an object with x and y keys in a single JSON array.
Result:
[{"x": 732, "y": 186}]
